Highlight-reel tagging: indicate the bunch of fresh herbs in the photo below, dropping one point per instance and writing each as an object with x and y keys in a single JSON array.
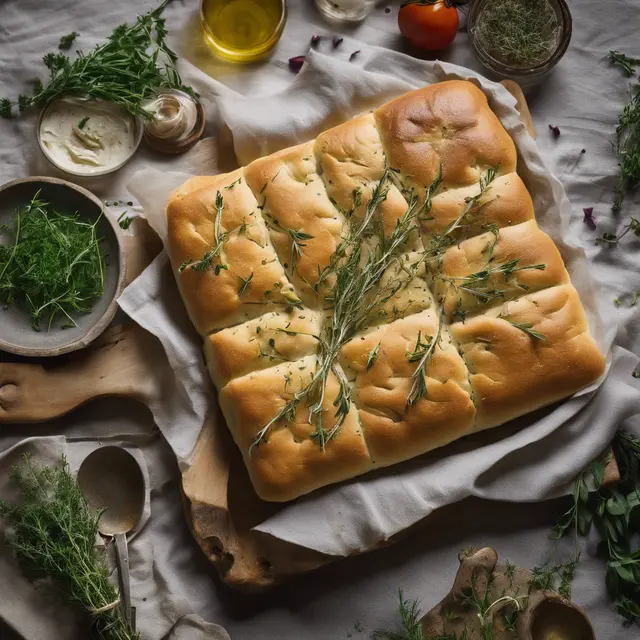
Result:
[
  {"x": 53, "y": 535},
  {"x": 614, "y": 513},
  {"x": 54, "y": 265},
  {"x": 128, "y": 69}
]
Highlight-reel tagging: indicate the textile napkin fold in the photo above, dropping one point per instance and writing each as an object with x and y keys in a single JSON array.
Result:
[{"x": 532, "y": 458}]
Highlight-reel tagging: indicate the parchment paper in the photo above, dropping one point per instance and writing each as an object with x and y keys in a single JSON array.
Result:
[{"x": 529, "y": 459}]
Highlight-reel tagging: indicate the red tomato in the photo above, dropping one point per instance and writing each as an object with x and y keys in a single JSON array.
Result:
[{"x": 430, "y": 25}]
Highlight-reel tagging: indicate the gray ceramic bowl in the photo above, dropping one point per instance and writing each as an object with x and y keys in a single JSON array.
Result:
[{"x": 16, "y": 333}]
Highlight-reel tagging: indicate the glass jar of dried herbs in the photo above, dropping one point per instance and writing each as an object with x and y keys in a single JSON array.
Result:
[{"x": 520, "y": 38}]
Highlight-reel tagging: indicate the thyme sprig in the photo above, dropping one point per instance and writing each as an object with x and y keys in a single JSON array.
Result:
[
  {"x": 627, "y": 63},
  {"x": 627, "y": 136},
  {"x": 53, "y": 536},
  {"x": 128, "y": 69}
]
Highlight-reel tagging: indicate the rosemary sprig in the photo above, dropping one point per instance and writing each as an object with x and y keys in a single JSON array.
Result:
[
  {"x": 296, "y": 244},
  {"x": 244, "y": 284},
  {"x": 527, "y": 327},
  {"x": 373, "y": 356},
  {"x": 127, "y": 69},
  {"x": 55, "y": 265},
  {"x": 206, "y": 262},
  {"x": 441, "y": 241},
  {"x": 479, "y": 284},
  {"x": 53, "y": 536},
  {"x": 423, "y": 353},
  {"x": 358, "y": 269},
  {"x": 410, "y": 620}
]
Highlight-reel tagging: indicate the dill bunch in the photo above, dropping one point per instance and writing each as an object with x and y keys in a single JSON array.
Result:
[
  {"x": 521, "y": 33},
  {"x": 53, "y": 537},
  {"x": 128, "y": 69},
  {"x": 54, "y": 266}
]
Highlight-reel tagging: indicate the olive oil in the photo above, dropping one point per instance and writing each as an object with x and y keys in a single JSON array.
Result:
[{"x": 243, "y": 30}]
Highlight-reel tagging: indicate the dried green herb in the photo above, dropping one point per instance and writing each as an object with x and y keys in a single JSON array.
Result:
[
  {"x": 53, "y": 536},
  {"x": 527, "y": 328},
  {"x": 521, "y": 33},
  {"x": 67, "y": 41},
  {"x": 128, "y": 69},
  {"x": 54, "y": 266},
  {"x": 373, "y": 356}
]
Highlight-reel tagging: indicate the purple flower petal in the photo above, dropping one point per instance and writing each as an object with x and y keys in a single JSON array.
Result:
[
  {"x": 315, "y": 40},
  {"x": 295, "y": 64},
  {"x": 555, "y": 129},
  {"x": 337, "y": 41},
  {"x": 354, "y": 55},
  {"x": 588, "y": 218}
]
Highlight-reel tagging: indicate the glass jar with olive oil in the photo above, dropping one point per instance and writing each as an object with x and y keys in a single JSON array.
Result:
[{"x": 243, "y": 30}]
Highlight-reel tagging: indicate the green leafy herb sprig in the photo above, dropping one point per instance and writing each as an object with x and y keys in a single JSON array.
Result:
[
  {"x": 54, "y": 266},
  {"x": 356, "y": 294},
  {"x": 53, "y": 537},
  {"x": 128, "y": 69},
  {"x": 627, "y": 141},
  {"x": 615, "y": 514}
]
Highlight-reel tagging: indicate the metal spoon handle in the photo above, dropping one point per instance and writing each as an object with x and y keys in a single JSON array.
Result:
[{"x": 122, "y": 554}]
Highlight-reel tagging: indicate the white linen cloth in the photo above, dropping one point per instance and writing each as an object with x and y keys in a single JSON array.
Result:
[
  {"x": 583, "y": 96},
  {"x": 539, "y": 453}
]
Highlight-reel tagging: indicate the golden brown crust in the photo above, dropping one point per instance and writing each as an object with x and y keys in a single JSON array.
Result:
[
  {"x": 290, "y": 462},
  {"x": 261, "y": 343},
  {"x": 216, "y": 301},
  {"x": 505, "y": 203},
  {"x": 393, "y": 431},
  {"x": 353, "y": 163},
  {"x": 293, "y": 199},
  {"x": 522, "y": 346},
  {"x": 513, "y": 373},
  {"x": 448, "y": 123},
  {"x": 488, "y": 269}
]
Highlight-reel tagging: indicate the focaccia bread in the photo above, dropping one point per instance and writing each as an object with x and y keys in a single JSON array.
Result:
[{"x": 377, "y": 292}]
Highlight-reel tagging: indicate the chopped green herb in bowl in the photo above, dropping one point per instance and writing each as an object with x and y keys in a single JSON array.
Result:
[
  {"x": 61, "y": 266},
  {"x": 53, "y": 266}
]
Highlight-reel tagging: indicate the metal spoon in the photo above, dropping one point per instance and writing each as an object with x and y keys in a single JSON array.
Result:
[{"x": 110, "y": 478}]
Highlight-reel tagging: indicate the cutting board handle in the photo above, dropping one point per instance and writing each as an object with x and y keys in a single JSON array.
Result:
[{"x": 120, "y": 363}]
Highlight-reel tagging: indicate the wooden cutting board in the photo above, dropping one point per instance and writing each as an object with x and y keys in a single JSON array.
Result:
[{"x": 220, "y": 503}]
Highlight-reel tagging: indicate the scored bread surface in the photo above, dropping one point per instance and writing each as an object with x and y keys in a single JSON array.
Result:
[{"x": 260, "y": 312}]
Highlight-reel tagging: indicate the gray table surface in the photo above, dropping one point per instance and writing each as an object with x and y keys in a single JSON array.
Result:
[{"x": 583, "y": 97}]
